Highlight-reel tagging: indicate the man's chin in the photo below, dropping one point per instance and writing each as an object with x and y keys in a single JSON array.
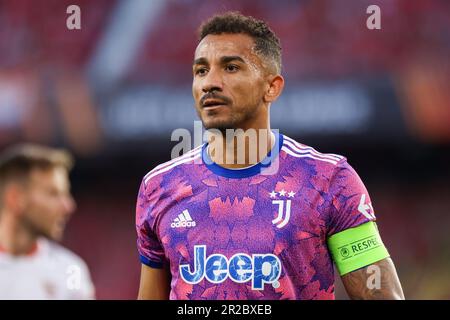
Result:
[
  {"x": 218, "y": 125},
  {"x": 55, "y": 235}
]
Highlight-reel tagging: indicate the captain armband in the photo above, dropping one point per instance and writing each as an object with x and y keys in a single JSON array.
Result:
[{"x": 357, "y": 247}]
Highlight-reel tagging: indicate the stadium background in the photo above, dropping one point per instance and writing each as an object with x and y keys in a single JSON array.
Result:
[{"x": 113, "y": 92}]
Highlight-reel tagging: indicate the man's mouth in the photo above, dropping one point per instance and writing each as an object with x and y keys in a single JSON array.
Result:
[
  {"x": 213, "y": 103},
  {"x": 62, "y": 223}
]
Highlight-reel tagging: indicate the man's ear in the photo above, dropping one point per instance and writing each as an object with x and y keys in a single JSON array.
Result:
[
  {"x": 276, "y": 85},
  {"x": 14, "y": 198}
]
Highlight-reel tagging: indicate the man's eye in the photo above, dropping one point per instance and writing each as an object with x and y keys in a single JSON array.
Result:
[
  {"x": 201, "y": 71},
  {"x": 232, "y": 68}
]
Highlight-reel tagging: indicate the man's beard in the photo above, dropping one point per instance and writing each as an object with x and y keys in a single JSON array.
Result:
[
  {"x": 39, "y": 231},
  {"x": 222, "y": 126},
  {"x": 234, "y": 122}
]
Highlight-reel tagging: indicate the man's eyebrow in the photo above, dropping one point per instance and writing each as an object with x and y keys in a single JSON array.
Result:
[
  {"x": 227, "y": 59},
  {"x": 200, "y": 61},
  {"x": 223, "y": 60}
]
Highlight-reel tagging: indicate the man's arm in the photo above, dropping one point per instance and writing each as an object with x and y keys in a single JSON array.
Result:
[
  {"x": 377, "y": 281},
  {"x": 155, "y": 284}
]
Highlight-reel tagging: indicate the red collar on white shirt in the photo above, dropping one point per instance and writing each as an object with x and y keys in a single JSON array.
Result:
[{"x": 31, "y": 252}]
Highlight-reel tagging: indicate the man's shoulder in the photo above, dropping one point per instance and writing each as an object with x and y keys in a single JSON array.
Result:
[
  {"x": 64, "y": 260},
  {"x": 190, "y": 157},
  {"x": 302, "y": 152},
  {"x": 61, "y": 254}
]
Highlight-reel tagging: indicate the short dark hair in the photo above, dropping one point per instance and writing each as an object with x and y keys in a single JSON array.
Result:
[
  {"x": 266, "y": 42},
  {"x": 18, "y": 161}
]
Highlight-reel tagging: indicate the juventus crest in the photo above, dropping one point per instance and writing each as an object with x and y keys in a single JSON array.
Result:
[{"x": 284, "y": 207}]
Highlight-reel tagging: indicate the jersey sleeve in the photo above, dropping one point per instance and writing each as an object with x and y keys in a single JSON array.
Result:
[
  {"x": 350, "y": 202},
  {"x": 149, "y": 247}
]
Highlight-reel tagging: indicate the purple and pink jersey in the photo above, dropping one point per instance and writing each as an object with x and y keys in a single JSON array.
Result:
[{"x": 254, "y": 233}]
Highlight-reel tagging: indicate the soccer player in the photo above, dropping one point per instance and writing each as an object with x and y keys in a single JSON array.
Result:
[
  {"x": 35, "y": 205},
  {"x": 209, "y": 228}
]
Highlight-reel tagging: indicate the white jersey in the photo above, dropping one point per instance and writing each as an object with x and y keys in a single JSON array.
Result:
[{"x": 50, "y": 272}]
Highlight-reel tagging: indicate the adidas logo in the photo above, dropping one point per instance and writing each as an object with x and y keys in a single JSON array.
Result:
[{"x": 184, "y": 219}]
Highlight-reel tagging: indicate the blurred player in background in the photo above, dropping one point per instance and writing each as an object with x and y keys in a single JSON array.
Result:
[
  {"x": 212, "y": 229},
  {"x": 35, "y": 206}
]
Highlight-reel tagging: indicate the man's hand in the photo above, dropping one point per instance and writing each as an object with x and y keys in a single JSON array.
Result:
[{"x": 363, "y": 284}]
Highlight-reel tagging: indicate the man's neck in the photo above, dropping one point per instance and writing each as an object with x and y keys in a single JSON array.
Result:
[
  {"x": 243, "y": 149},
  {"x": 14, "y": 238}
]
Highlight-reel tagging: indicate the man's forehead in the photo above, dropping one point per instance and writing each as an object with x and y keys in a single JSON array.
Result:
[
  {"x": 40, "y": 176},
  {"x": 225, "y": 44}
]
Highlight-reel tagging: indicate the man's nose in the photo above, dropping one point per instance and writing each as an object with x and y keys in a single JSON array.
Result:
[
  {"x": 212, "y": 82},
  {"x": 69, "y": 204}
]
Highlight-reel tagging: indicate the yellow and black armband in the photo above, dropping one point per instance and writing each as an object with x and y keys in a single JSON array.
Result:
[{"x": 357, "y": 247}]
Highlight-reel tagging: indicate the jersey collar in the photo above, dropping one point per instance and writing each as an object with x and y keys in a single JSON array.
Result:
[{"x": 244, "y": 172}]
